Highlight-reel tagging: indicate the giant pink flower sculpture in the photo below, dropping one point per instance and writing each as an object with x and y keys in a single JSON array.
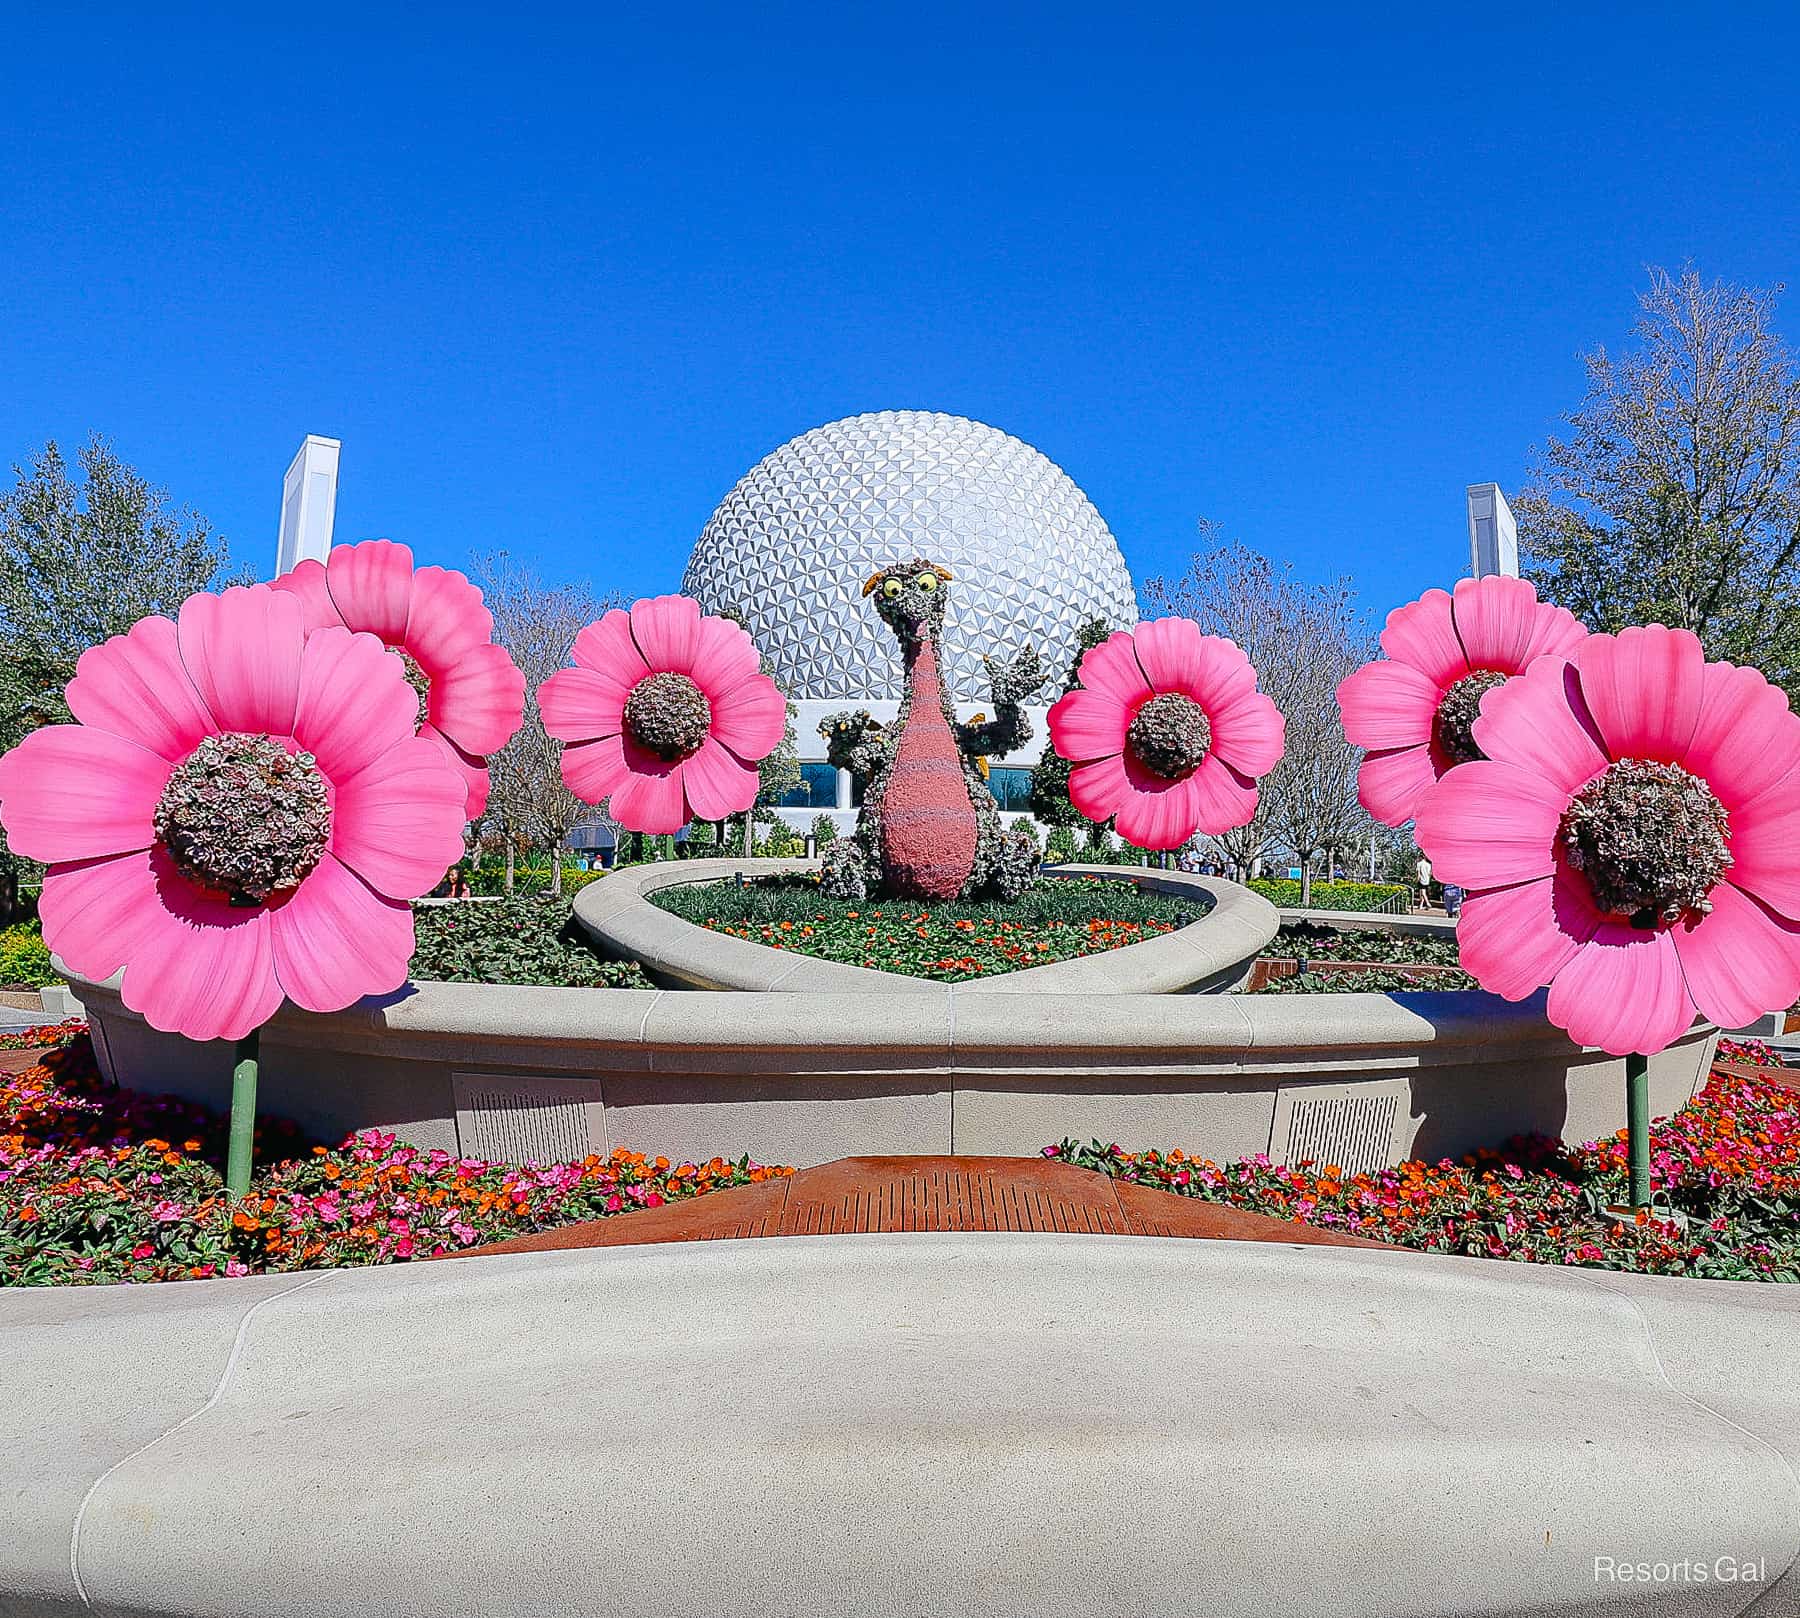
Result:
[
  {"x": 240, "y": 813},
  {"x": 435, "y": 620},
  {"x": 1413, "y": 711},
  {"x": 1631, "y": 838},
  {"x": 666, "y": 714},
  {"x": 1167, "y": 733}
]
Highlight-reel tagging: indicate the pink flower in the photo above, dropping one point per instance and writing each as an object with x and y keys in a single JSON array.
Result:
[
  {"x": 435, "y": 620},
  {"x": 666, "y": 714},
  {"x": 1630, "y": 838},
  {"x": 240, "y": 813},
  {"x": 1167, "y": 733},
  {"x": 1413, "y": 712}
]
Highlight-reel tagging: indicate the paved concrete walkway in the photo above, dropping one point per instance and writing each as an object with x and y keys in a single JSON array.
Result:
[{"x": 884, "y": 1195}]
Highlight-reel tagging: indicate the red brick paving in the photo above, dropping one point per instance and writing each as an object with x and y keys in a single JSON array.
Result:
[{"x": 883, "y": 1194}]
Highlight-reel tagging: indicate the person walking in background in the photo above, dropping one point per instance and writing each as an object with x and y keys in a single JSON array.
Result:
[
  {"x": 1424, "y": 871},
  {"x": 1453, "y": 898}
]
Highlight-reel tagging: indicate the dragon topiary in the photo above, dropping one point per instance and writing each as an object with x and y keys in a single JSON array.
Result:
[{"x": 929, "y": 827}]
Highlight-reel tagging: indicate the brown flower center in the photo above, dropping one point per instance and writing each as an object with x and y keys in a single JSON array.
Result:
[
  {"x": 244, "y": 817},
  {"x": 1170, "y": 735},
  {"x": 669, "y": 715},
  {"x": 1650, "y": 838},
  {"x": 1454, "y": 725}
]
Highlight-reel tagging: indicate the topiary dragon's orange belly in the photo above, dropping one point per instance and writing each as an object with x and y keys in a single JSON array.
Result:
[{"x": 928, "y": 824}]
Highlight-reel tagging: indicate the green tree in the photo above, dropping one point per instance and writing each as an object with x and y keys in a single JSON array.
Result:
[
  {"x": 1675, "y": 497},
  {"x": 84, "y": 554}
]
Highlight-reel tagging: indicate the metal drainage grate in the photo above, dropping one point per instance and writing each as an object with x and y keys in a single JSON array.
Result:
[
  {"x": 505, "y": 1118},
  {"x": 1356, "y": 1126}
]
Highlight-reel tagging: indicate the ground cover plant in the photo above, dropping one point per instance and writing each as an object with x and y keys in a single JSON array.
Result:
[
  {"x": 949, "y": 941},
  {"x": 1729, "y": 1161},
  {"x": 525, "y": 939},
  {"x": 1377, "y": 980},
  {"x": 103, "y": 1184},
  {"x": 1306, "y": 942},
  {"x": 24, "y": 957}
]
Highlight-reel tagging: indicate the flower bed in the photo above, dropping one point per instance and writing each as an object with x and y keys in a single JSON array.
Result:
[
  {"x": 948, "y": 942},
  {"x": 103, "y": 1184},
  {"x": 517, "y": 940},
  {"x": 1327, "y": 961},
  {"x": 1729, "y": 1161}
]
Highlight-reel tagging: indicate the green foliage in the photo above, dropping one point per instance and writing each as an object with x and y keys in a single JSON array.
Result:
[
  {"x": 1307, "y": 942},
  {"x": 781, "y": 843},
  {"x": 1023, "y": 827},
  {"x": 1059, "y": 847},
  {"x": 532, "y": 940},
  {"x": 1377, "y": 980},
  {"x": 490, "y": 880},
  {"x": 1285, "y": 893},
  {"x": 824, "y": 832},
  {"x": 1053, "y": 921},
  {"x": 702, "y": 841},
  {"x": 81, "y": 559},
  {"x": 24, "y": 961}
]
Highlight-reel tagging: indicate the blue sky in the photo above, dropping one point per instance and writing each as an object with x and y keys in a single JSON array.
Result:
[{"x": 558, "y": 278}]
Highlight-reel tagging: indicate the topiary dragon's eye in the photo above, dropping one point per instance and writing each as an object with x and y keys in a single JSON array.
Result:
[
  {"x": 892, "y": 588},
  {"x": 927, "y": 582}
]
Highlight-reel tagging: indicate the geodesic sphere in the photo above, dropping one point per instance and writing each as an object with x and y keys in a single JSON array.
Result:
[{"x": 791, "y": 546}]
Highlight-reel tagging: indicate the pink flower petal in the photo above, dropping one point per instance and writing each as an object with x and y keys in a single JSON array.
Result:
[
  {"x": 307, "y": 581},
  {"x": 593, "y": 771},
  {"x": 202, "y": 967},
  {"x": 336, "y": 940},
  {"x": 472, "y": 771},
  {"x": 1176, "y": 655},
  {"x": 581, "y": 704},
  {"x": 372, "y": 585},
  {"x": 1746, "y": 738},
  {"x": 70, "y": 792},
  {"x": 135, "y": 686},
  {"x": 398, "y": 822},
  {"x": 242, "y": 651},
  {"x": 479, "y": 699},
  {"x": 1513, "y": 941},
  {"x": 1764, "y": 839},
  {"x": 1098, "y": 790},
  {"x": 1391, "y": 786},
  {"x": 667, "y": 632},
  {"x": 606, "y": 647},
  {"x": 650, "y": 798},
  {"x": 1389, "y": 705},
  {"x": 1532, "y": 722},
  {"x": 717, "y": 785},
  {"x": 1221, "y": 798},
  {"x": 1643, "y": 689},
  {"x": 1488, "y": 825},
  {"x": 1423, "y": 633},
  {"x": 1623, "y": 991},
  {"x": 447, "y": 618},
  {"x": 354, "y": 701},
  {"x": 1740, "y": 961},
  {"x": 751, "y": 718},
  {"x": 1156, "y": 813},
  {"x": 1088, "y": 724},
  {"x": 725, "y": 656},
  {"x": 1111, "y": 668},
  {"x": 1503, "y": 626},
  {"x": 93, "y": 911}
]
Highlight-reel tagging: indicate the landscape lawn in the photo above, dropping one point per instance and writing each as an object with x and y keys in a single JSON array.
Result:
[{"x": 1056, "y": 920}]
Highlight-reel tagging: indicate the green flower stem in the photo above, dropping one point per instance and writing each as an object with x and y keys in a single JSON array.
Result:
[
  {"x": 243, "y": 1115},
  {"x": 1637, "y": 1126}
]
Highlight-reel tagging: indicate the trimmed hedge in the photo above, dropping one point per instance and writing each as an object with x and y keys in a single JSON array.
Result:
[{"x": 1285, "y": 893}]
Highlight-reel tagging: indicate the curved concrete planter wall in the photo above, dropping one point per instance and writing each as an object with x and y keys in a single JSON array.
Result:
[
  {"x": 1005, "y": 1425},
  {"x": 1208, "y": 956},
  {"x": 803, "y": 1078}
]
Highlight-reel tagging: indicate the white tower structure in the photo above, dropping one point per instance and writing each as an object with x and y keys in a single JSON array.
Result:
[
  {"x": 308, "y": 503},
  {"x": 1493, "y": 536}
]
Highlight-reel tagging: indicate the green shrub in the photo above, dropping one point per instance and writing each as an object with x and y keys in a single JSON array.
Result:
[
  {"x": 1285, "y": 893},
  {"x": 1060, "y": 848},
  {"x": 824, "y": 832},
  {"x": 532, "y": 939},
  {"x": 781, "y": 843},
  {"x": 24, "y": 961},
  {"x": 490, "y": 880}
]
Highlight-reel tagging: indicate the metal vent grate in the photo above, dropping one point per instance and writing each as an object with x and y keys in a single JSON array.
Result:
[
  {"x": 1356, "y": 1126},
  {"x": 505, "y": 1118}
]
